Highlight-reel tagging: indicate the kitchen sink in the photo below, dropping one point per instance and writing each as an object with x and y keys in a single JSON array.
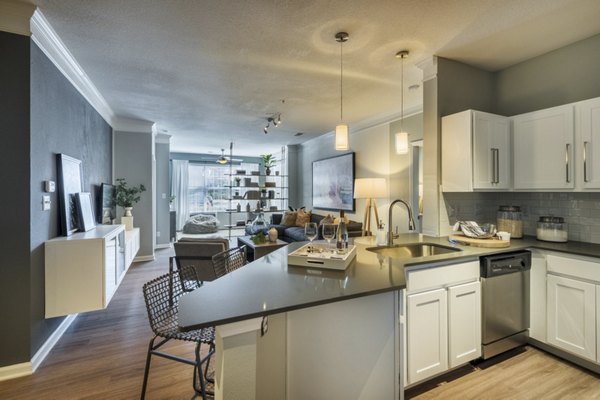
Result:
[{"x": 411, "y": 250}]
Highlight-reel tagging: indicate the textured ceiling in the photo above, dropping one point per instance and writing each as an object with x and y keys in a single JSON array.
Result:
[{"x": 208, "y": 72}]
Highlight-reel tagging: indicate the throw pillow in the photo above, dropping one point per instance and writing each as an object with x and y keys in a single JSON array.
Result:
[
  {"x": 303, "y": 217},
  {"x": 327, "y": 220},
  {"x": 346, "y": 220},
  {"x": 289, "y": 218}
]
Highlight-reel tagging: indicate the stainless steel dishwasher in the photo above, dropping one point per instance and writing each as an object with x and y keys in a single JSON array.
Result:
[{"x": 505, "y": 301}]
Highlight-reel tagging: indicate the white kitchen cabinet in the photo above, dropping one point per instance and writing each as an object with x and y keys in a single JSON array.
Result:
[
  {"x": 84, "y": 270},
  {"x": 475, "y": 152},
  {"x": 443, "y": 318},
  {"x": 464, "y": 322},
  {"x": 132, "y": 245},
  {"x": 587, "y": 153},
  {"x": 572, "y": 316},
  {"x": 427, "y": 341},
  {"x": 537, "y": 293},
  {"x": 543, "y": 149}
]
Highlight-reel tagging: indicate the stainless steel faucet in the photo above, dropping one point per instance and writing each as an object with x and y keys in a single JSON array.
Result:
[{"x": 411, "y": 221}]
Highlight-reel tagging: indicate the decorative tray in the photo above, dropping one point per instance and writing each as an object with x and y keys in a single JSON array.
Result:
[{"x": 321, "y": 257}]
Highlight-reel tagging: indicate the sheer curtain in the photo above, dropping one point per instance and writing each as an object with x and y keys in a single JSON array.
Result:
[{"x": 179, "y": 189}]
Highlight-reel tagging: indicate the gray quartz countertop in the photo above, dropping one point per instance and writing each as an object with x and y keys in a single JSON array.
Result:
[{"x": 270, "y": 286}]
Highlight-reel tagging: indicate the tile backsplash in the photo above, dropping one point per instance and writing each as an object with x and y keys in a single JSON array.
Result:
[{"x": 581, "y": 211}]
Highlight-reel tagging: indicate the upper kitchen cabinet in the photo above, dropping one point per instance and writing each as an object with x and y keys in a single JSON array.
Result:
[
  {"x": 475, "y": 152},
  {"x": 543, "y": 149},
  {"x": 588, "y": 143}
]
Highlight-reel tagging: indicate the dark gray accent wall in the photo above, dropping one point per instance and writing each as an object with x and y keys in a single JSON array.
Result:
[
  {"x": 562, "y": 76},
  {"x": 461, "y": 86},
  {"x": 14, "y": 179},
  {"x": 62, "y": 121}
]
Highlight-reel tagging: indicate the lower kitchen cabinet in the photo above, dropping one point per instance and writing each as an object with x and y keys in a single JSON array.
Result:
[
  {"x": 443, "y": 323},
  {"x": 427, "y": 334},
  {"x": 572, "y": 316},
  {"x": 464, "y": 321}
]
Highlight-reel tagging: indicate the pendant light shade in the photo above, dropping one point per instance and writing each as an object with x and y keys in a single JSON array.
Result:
[
  {"x": 342, "y": 137},
  {"x": 342, "y": 141},
  {"x": 401, "y": 138}
]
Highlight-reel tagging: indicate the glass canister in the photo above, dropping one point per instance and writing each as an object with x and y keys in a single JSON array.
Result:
[
  {"x": 509, "y": 220},
  {"x": 552, "y": 229}
]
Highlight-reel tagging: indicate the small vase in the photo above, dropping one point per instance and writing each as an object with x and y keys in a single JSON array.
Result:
[
  {"x": 128, "y": 212},
  {"x": 272, "y": 235},
  {"x": 268, "y": 171}
]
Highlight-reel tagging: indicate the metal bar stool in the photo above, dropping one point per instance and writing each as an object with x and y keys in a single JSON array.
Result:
[{"x": 162, "y": 300}]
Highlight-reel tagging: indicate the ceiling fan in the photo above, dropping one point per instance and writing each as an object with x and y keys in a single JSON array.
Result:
[{"x": 223, "y": 159}]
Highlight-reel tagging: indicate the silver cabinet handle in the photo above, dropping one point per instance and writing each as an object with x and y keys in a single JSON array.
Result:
[
  {"x": 495, "y": 166},
  {"x": 567, "y": 160},
  {"x": 585, "y": 177}
]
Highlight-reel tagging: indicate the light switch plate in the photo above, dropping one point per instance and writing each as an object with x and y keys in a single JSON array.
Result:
[{"x": 46, "y": 202}]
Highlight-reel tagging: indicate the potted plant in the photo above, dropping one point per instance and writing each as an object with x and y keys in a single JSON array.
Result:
[
  {"x": 126, "y": 196},
  {"x": 268, "y": 161},
  {"x": 237, "y": 180}
]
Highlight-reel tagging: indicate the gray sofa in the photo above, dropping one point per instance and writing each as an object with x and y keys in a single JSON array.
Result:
[{"x": 296, "y": 234}]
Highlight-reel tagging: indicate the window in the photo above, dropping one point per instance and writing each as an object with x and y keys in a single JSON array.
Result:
[{"x": 208, "y": 189}]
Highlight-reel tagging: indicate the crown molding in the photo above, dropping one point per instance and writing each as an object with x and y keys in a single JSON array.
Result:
[
  {"x": 429, "y": 67},
  {"x": 50, "y": 43},
  {"x": 123, "y": 124},
  {"x": 14, "y": 17}
]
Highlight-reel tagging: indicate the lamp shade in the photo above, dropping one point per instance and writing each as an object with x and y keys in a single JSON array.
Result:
[
  {"x": 401, "y": 143},
  {"x": 341, "y": 137},
  {"x": 369, "y": 188}
]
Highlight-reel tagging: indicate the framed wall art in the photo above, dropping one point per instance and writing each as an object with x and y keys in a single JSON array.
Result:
[
  {"x": 333, "y": 183},
  {"x": 70, "y": 182}
]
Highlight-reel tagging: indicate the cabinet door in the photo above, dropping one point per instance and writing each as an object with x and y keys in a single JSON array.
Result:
[
  {"x": 491, "y": 151},
  {"x": 110, "y": 269},
  {"x": 572, "y": 316},
  {"x": 598, "y": 322},
  {"x": 464, "y": 322},
  {"x": 543, "y": 149},
  {"x": 427, "y": 340},
  {"x": 588, "y": 146}
]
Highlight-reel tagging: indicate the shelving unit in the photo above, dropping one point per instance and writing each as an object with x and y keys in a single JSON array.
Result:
[{"x": 269, "y": 199}]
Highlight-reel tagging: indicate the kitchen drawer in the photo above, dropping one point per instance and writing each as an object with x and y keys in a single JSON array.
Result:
[
  {"x": 431, "y": 277},
  {"x": 575, "y": 267}
]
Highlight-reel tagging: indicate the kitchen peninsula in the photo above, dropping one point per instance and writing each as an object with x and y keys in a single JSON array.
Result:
[{"x": 320, "y": 321}]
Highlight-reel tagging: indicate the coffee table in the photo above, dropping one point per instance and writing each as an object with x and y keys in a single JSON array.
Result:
[{"x": 256, "y": 251}]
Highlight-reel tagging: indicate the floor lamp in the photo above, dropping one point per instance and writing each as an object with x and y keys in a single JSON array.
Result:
[{"x": 369, "y": 188}]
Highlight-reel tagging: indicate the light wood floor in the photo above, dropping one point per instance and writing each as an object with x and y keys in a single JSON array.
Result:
[{"x": 102, "y": 356}]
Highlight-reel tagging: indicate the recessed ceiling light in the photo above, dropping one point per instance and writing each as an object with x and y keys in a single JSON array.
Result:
[{"x": 299, "y": 134}]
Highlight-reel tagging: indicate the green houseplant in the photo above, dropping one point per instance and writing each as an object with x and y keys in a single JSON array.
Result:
[
  {"x": 126, "y": 196},
  {"x": 268, "y": 161}
]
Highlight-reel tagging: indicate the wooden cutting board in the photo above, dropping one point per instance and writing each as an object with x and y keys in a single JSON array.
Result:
[{"x": 491, "y": 242}]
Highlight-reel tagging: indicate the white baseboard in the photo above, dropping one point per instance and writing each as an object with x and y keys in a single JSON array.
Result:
[
  {"x": 162, "y": 246},
  {"x": 15, "y": 371},
  {"x": 43, "y": 351},
  {"x": 28, "y": 368}
]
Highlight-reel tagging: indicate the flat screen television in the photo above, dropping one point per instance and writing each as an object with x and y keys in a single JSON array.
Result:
[{"x": 106, "y": 204}]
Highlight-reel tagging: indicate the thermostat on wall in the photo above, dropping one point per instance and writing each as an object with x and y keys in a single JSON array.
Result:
[{"x": 49, "y": 186}]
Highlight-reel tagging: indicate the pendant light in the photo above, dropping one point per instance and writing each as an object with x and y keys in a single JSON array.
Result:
[
  {"x": 342, "y": 140},
  {"x": 401, "y": 138}
]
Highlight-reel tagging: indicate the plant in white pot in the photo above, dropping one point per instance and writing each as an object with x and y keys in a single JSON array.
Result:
[{"x": 126, "y": 196}]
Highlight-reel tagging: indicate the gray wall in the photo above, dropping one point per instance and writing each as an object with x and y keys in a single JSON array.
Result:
[
  {"x": 14, "y": 178},
  {"x": 162, "y": 189},
  {"x": 133, "y": 161},
  {"x": 62, "y": 121},
  {"x": 562, "y": 76}
]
